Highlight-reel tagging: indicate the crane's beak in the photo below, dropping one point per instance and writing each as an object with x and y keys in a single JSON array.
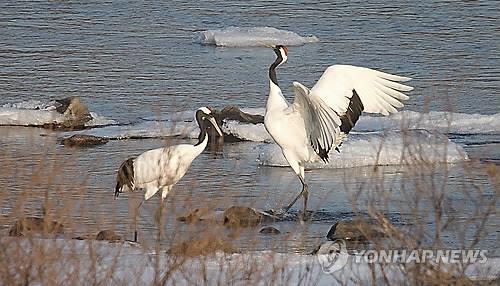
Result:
[{"x": 214, "y": 123}]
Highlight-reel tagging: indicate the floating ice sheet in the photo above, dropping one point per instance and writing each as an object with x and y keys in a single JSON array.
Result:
[
  {"x": 442, "y": 122},
  {"x": 255, "y": 36},
  {"x": 380, "y": 148}
]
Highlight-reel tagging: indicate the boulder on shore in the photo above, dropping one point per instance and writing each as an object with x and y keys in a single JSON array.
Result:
[
  {"x": 35, "y": 225},
  {"x": 108, "y": 235},
  {"x": 207, "y": 245}
]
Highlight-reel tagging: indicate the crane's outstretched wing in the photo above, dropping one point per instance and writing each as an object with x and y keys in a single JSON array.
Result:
[
  {"x": 332, "y": 107},
  {"x": 379, "y": 92}
]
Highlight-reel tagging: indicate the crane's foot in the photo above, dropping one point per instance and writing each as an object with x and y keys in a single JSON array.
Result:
[
  {"x": 282, "y": 213},
  {"x": 278, "y": 214},
  {"x": 305, "y": 215}
]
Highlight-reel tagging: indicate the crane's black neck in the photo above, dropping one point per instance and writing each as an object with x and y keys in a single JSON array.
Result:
[
  {"x": 203, "y": 126},
  {"x": 272, "y": 68}
]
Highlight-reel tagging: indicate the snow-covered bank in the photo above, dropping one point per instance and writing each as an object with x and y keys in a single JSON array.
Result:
[
  {"x": 77, "y": 262},
  {"x": 39, "y": 113}
]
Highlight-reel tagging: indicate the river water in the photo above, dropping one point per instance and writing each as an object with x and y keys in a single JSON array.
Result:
[{"x": 140, "y": 62}]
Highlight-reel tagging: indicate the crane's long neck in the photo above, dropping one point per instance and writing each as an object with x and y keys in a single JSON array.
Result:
[
  {"x": 272, "y": 71},
  {"x": 203, "y": 136},
  {"x": 276, "y": 98}
]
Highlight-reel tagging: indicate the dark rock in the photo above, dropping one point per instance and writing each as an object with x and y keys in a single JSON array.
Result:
[
  {"x": 81, "y": 140},
  {"x": 269, "y": 230},
  {"x": 73, "y": 106},
  {"x": 78, "y": 114},
  {"x": 354, "y": 230},
  {"x": 240, "y": 216},
  {"x": 35, "y": 225},
  {"x": 84, "y": 237},
  {"x": 234, "y": 113},
  {"x": 108, "y": 235},
  {"x": 207, "y": 245}
]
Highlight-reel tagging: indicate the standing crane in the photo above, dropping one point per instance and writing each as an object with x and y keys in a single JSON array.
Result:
[
  {"x": 321, "y": 117},
  {"x": 160, "y": 169}
]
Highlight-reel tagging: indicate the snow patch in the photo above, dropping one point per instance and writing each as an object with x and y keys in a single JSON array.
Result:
[
  {"x": 126, "y": 263},
  {"x": 144, "y": 129},
  {"x": 444, "y": 122},
  {"x": 38, "y": 113}
]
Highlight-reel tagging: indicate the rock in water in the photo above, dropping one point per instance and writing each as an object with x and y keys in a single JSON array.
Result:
[
  {"x": 240, "y": 216},
  {"x": 269, "y": 230},
  {"x": 108, "y": 235},
  {"x": 357, "y": 230},
  {"x": 234, "y": 113},
  {"x": 35, "y": 225},
  {"x": 81, "y": 140}
]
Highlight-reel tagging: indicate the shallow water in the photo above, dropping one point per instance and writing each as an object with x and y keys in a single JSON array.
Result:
[{"x": 130, "y": 61}]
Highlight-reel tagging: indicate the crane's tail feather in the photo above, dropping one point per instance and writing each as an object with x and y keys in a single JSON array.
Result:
[{"x": 125, "y": 176}]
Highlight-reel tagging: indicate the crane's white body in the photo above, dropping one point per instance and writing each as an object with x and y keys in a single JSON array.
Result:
[
  {"x": 288, "y": 130},
  {"x": 162, "y": 168},
  {"x": 292, "y": 126}
]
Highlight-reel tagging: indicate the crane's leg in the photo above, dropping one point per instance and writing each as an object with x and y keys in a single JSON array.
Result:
[
  {"x": 135, "y": 220},
  {"x": 304, "y": 193},
  {"x": 159, "y": 218},
  {"x": 300, "y": 171}
]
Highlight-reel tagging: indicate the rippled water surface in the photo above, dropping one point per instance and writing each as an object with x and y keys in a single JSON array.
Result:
[{"x": 133, "y": 60}]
